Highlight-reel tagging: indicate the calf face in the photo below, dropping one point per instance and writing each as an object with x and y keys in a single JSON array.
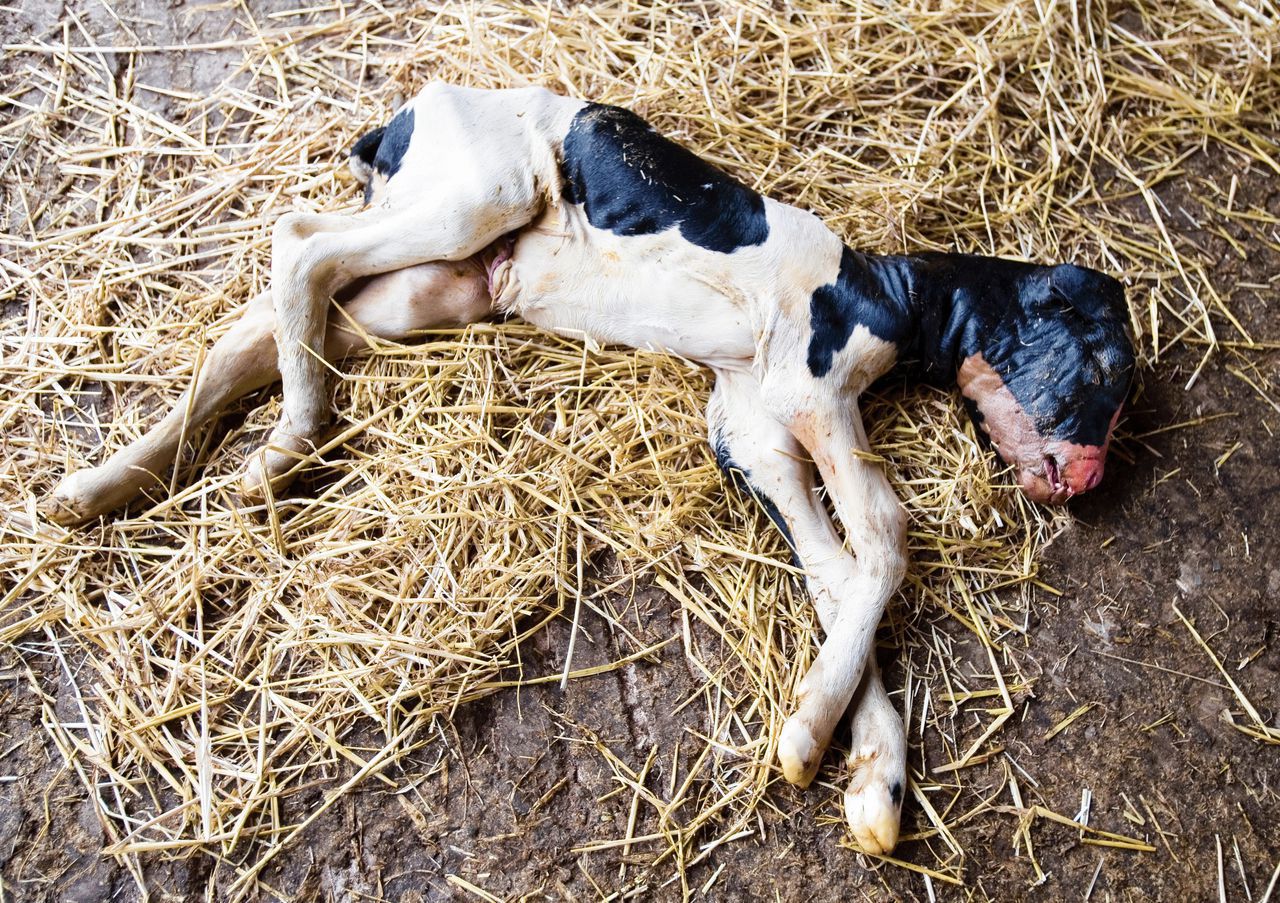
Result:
[{"x": 1047, "y": 376}]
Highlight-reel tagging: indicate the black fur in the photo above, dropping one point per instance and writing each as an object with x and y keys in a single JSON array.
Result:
[
  {"x": 1065, "y": 357},
  {"x": 367, "y": 147},
  {"x": 394, "y": 143},
  {"x": 632, "y": 181},
  {"x": 740, "y": 477},
  {"x": 1054, "y": 334},
  {"x": 868, "y": 290},
  {"x": 383, "y": 149}
]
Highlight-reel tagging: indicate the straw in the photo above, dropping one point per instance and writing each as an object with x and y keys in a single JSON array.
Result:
[{"x": 487, "y": 481}]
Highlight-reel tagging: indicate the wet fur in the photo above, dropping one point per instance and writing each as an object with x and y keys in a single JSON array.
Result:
[{"x": 584, "y": 220}]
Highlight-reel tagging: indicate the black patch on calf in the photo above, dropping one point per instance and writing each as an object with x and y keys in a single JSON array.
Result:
[
  {"x": 875, "y": 292},
  {"x": 631, "y": 180},
  {"x": 367, "y": 147},
  {"x": 394, "y": 143},
  {"x": 1095, "y": 295},
  {"x": 1063, "y": 352},
  {"x": 366, "y": 151},
  {"x": 740, "y": 478},
  {"x": 1055, "y": 335}
]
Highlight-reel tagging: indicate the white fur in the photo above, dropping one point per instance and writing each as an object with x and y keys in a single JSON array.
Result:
[{"x": 483, "y": 164}]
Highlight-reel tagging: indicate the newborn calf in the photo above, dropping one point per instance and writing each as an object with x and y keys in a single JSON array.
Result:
[{"x": 583, "y": 220}]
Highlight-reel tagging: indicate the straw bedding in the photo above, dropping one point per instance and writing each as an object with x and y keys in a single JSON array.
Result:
[{"x": 486, "y": 481}]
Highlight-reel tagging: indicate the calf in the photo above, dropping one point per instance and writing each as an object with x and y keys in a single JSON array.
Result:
[{"x": 583, "y": 220}]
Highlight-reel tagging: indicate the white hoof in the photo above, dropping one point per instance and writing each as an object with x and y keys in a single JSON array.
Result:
[
  {"x": 76, "y": 499},
  {"x": 873, "y": 802},
  {"x": 94, "y": 491},
  {"x": 799, "y": 753}
]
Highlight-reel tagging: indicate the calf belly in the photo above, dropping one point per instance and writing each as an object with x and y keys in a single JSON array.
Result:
[{"x": 655, "y": 292}]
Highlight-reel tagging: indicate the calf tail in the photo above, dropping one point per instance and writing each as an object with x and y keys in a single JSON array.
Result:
[{"x": 363, "y": 154}]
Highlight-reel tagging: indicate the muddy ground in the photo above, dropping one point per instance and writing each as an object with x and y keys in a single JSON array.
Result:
[{"x": 500, "y": 806}]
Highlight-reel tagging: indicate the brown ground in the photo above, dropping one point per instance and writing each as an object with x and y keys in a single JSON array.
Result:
[{"x": 502, "y": 799}]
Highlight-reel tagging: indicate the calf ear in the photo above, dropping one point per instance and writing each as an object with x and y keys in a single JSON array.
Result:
[{"x": 1094, "y": 294}]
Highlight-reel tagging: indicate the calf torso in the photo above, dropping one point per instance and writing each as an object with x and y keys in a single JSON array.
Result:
[{"x": 636, "y": 241}]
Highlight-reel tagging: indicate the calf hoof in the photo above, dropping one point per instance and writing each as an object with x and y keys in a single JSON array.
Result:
[
  {"x": 80, "y": 497},
  {"x": 274, "y": 465},
  {"x": 873, "y": 802},
  {"x": 799, "y": 753}
]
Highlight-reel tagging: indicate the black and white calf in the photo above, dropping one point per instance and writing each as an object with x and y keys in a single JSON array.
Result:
[{"x": 581, "y": 219}]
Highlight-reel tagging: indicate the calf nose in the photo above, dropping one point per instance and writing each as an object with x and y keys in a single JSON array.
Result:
[{"x": 1082, "y": 474}]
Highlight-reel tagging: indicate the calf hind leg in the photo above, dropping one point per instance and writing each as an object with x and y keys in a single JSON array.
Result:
[
  {"x": 312, "y": 255},
  {"x": 245, "y": 358},
  {"x": 759, "y": 450}
]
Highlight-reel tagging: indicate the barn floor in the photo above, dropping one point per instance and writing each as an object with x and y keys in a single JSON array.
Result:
[{"x": 1177, "y": 554}]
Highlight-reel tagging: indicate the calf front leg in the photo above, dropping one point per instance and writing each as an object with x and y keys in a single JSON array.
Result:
[
  {"x": 758, "y": 451},
  {"x": 876, "y": 528},
  {"x": 878, "y": 762},
  {"x": 244, "y": 359}
]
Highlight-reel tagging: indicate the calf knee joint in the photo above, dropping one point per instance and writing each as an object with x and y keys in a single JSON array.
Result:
[
  {"x": 779, "y": 396},
  {"x": 884, "y": 561},
  {"x": 297, "y": 226}
]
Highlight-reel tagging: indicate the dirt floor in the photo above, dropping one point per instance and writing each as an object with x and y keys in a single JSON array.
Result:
[{"x": 1184, "y": 532}]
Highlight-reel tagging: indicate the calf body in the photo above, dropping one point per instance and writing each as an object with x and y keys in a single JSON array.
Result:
[{"x": 581, "y": 219}]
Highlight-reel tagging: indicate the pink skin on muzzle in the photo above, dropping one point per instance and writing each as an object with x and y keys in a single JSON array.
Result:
[{"x": 1050, "y": 471}]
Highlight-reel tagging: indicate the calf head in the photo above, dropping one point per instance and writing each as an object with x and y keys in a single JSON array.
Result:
[{"x": 1045, "y": 371}]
